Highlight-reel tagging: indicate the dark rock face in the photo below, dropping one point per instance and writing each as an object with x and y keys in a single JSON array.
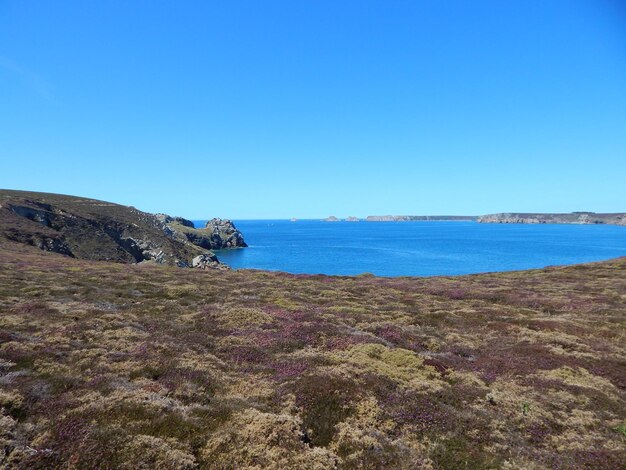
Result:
[
  {"x": 200, "y": 238},
  {"x": 98, "y": 230},
  {"x": 41, "y": 241},
  {"x": 222, "y": 233}
]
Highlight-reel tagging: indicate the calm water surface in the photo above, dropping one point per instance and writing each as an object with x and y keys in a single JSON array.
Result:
[{"x": 417, "y": 248}]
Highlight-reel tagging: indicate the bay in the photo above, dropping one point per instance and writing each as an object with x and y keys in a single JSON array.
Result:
[{"x": 421, "y": 248}]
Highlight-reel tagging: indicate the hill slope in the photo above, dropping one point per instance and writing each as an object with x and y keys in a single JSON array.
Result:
[
  {"x": 97, "y": 230},
  {"x": 104, "y": 365}
]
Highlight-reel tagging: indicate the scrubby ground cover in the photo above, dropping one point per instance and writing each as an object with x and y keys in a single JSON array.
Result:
[{"x": 107, "y": 365}]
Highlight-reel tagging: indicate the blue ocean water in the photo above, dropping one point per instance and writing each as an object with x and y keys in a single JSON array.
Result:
[{"x": 417, "y": 248}]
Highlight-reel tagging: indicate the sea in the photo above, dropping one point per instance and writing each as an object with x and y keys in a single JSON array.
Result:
[{"x": 419, "y": 248}]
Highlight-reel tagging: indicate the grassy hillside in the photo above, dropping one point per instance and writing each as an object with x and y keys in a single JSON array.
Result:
[
  {"x": 99, "y": 230},
  {"x": 106, "y": 365}
]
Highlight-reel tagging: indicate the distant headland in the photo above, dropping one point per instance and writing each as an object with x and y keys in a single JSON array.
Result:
[
  {"x": 616, "y": 218},
  {"x": 409, "y": 218},
  {"x": 332, "y": 218}
]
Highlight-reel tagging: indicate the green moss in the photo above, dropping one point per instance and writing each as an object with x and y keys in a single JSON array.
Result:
[{"x": 620, "y": 429}]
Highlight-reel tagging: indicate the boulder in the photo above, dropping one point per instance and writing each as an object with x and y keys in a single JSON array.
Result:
[{"x": 207, "y": 261}]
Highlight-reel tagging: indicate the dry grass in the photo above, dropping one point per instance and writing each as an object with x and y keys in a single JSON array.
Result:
[{"x": 123, "y": 366}]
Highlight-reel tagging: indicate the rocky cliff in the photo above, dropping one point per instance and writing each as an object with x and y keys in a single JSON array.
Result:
[
  {"x": 224, "y": 234},
  {"x": 218, "y": 234},
  {"x": 97, "y": 230},
  {"x": 571, "y": 218}
]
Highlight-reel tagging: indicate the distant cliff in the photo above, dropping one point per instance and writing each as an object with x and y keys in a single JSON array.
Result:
[
  {"x": 571, "y": 218},
  {"x": 408, "y": 218},
  {"x": 97, "y": 230},
  {"x": 513, "y": 218}
]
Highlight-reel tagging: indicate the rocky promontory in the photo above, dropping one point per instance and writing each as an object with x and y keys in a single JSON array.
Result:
[
  {"x": 168, "y": 219},
  {"x": 224, "y": 234},
  {"x": 539, "y": 218},
  {"x": 218, "y": 234},
  {"x": 97, "y": 230},
  {"x": 332, "y": 218}
]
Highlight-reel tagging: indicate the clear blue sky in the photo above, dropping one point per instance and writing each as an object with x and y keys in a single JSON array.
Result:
[{"x": 274, "y": 109}]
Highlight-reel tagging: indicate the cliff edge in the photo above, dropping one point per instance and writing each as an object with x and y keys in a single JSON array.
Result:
[{"x": 98, "y": 230}]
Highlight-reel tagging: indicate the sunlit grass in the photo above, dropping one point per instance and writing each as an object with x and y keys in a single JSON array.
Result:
[{"x": 107, "y": 365}]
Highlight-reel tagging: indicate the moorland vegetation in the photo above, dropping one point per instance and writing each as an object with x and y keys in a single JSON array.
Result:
[{"x": 142, "y": 366}]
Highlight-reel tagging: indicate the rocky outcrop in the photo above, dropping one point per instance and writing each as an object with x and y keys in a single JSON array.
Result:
[
  {"x": 538, "y": 218},
  {"x": 207, "y": 261},
  {"x": 224, "y": 234},
  {"x": 332, "y": 218},
  {"x": 97, "y": 230},
  {"x": 218, "y": 234},
  {"x": 352, "y": 219},
  {"x": 167, "y": 219}
]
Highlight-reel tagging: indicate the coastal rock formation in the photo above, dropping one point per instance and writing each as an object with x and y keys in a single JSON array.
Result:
[
  {"x": 332, "y": 218},
  {"x": 508, "y": 219},
  {"x": 217, "y": 235},
  {"x": 207, "y": 261},
  {"x": 167, "y": 219},
  {"x": 97, "y": 230},
  {"x": 386, "y": 218},
  {"x": 352, "y": 219},
  {"x": 224, "y": 234},
  {"x": 409, "y": 218},
  {"x": 571, "y": 218}
]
